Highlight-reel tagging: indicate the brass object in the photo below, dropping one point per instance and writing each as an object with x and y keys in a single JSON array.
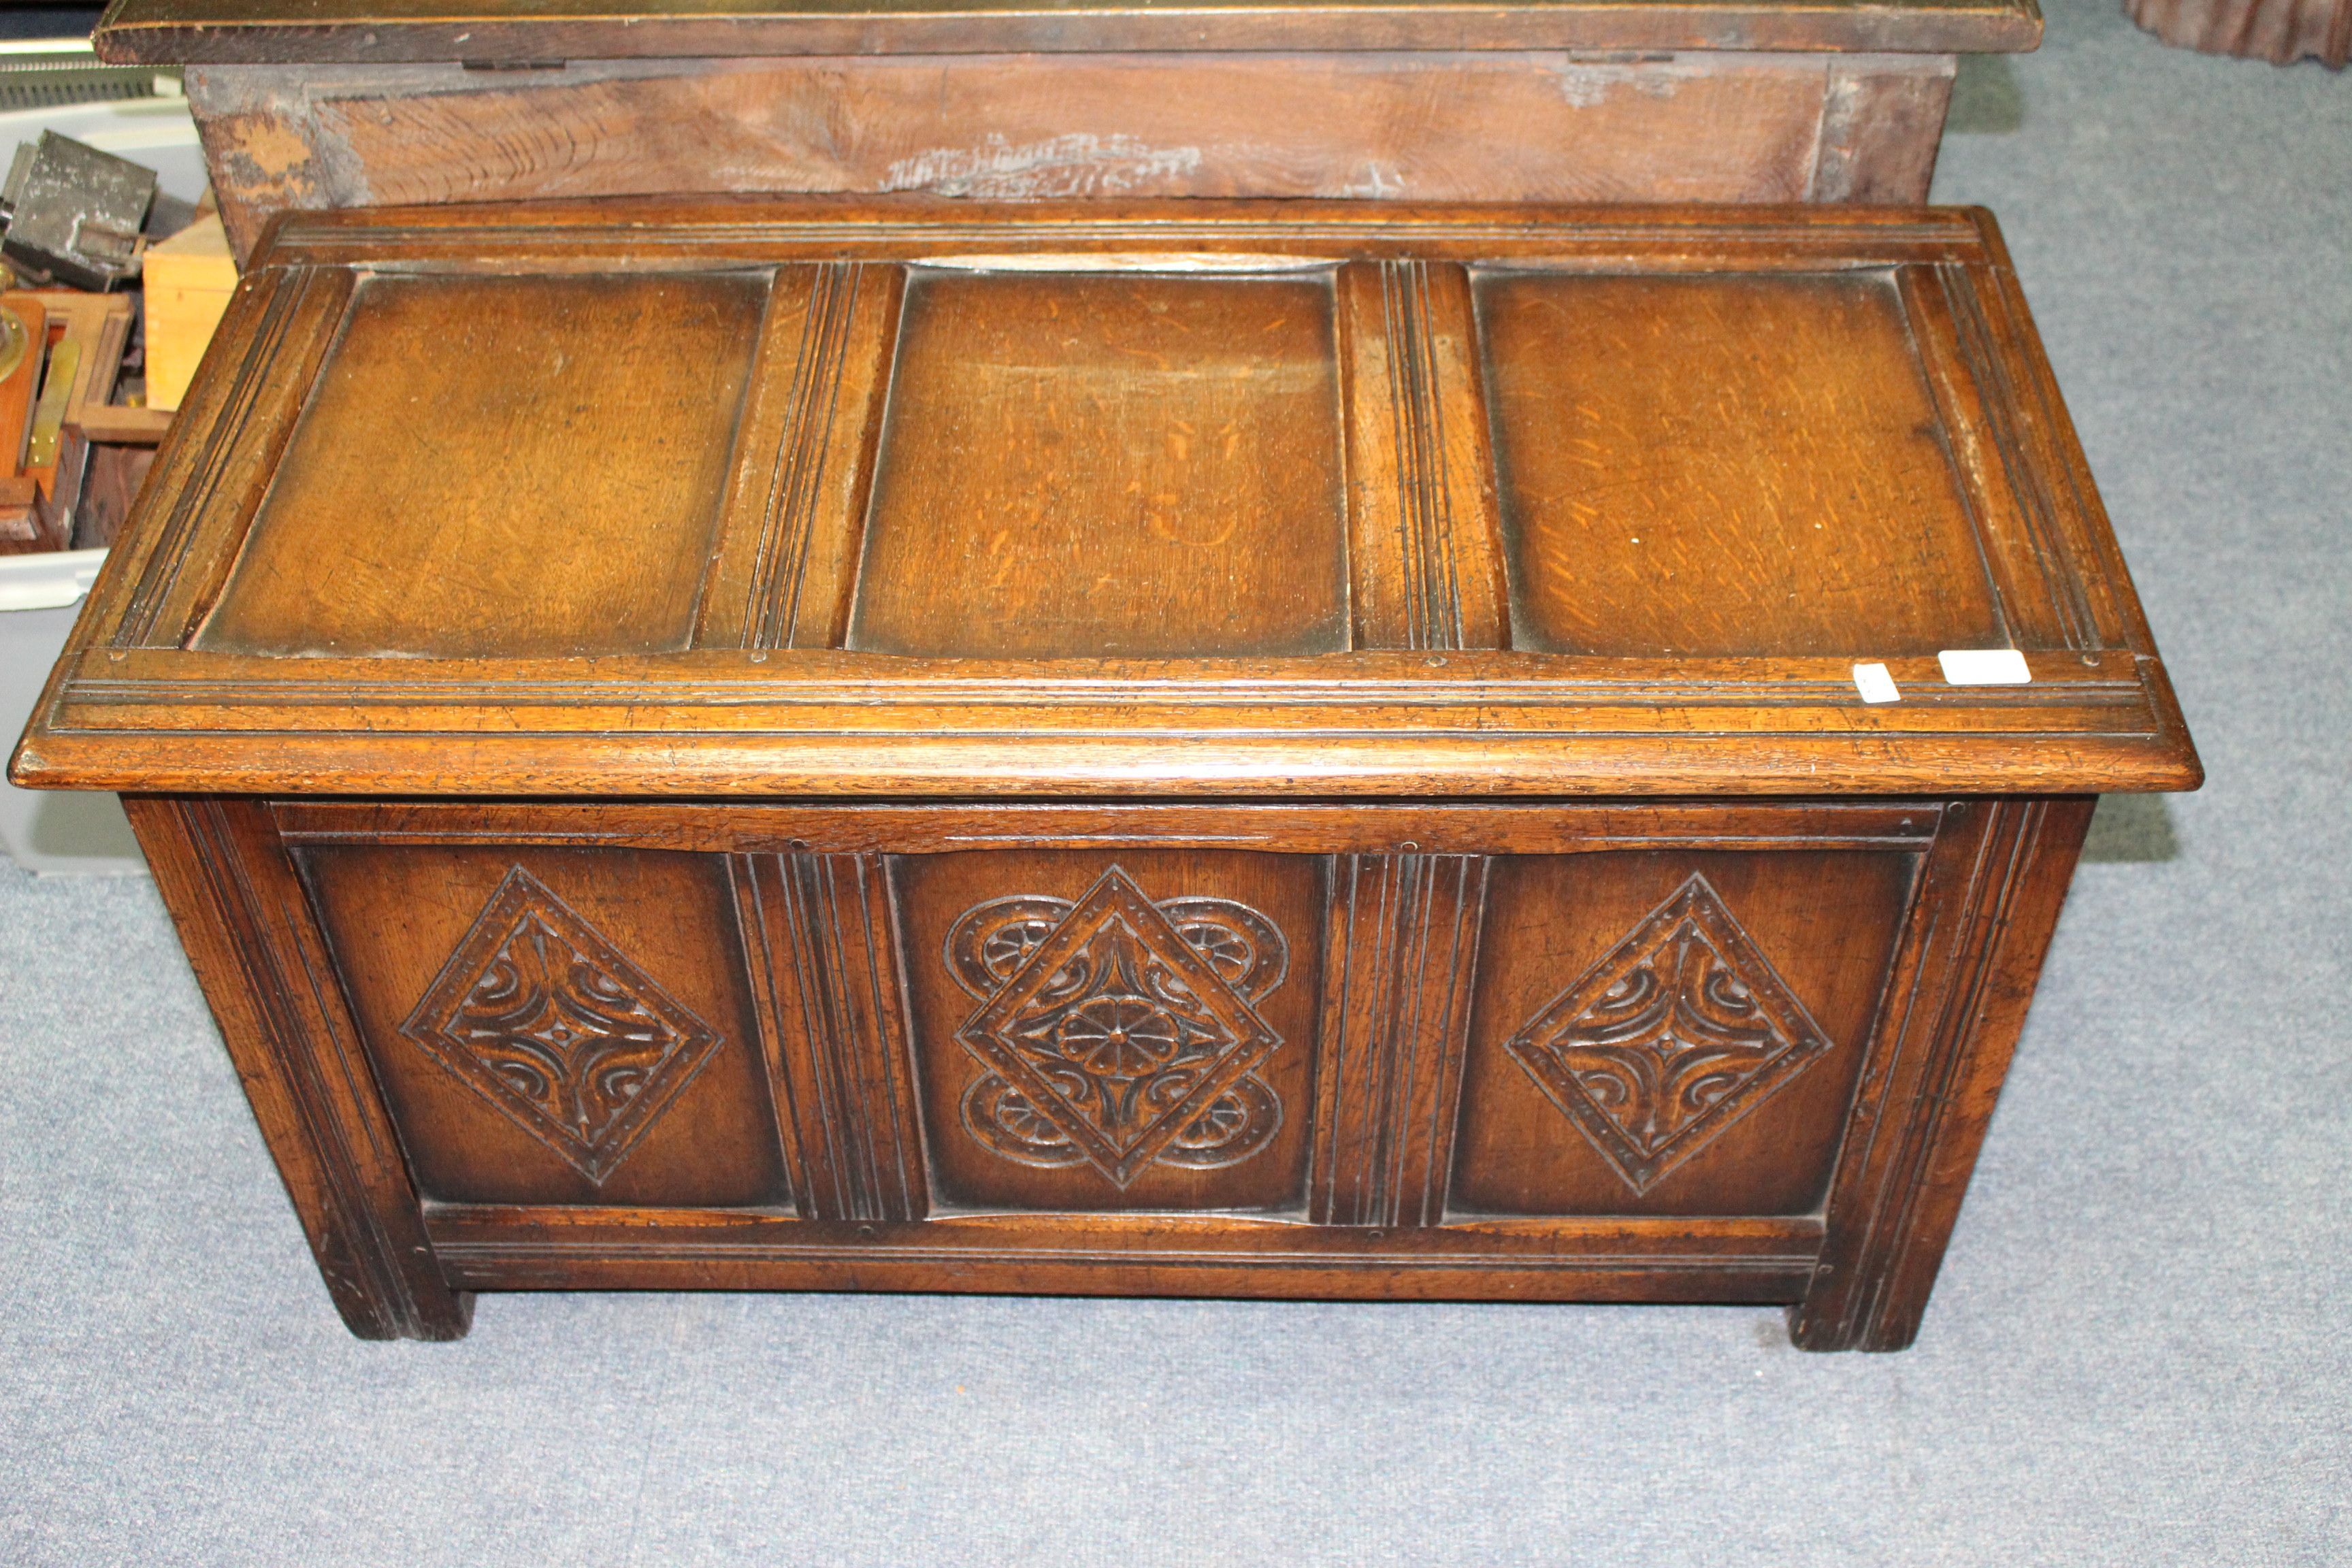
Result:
[
  {"x": 15, "y": 339},
  {"x": 49, "y": 413}
]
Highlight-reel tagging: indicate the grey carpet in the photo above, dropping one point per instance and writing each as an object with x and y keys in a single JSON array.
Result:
[{"x": 2136, "y": 1355}]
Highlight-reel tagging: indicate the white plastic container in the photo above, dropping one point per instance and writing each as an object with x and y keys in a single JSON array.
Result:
[{"x": 46, "y": 830}]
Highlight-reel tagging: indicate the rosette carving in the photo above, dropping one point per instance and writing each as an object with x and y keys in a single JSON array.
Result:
[{"x": 1118, "y": 1032}]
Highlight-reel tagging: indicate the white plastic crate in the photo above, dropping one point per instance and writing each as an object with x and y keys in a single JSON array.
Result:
[
  {"x": 49, "y": 831},
  {"x": 46, "y": 831}
]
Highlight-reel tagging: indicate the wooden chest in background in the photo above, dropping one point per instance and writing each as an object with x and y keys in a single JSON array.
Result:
[
  {"x": 1241, "y": 750},
  {"x": 353, "y": 103}
]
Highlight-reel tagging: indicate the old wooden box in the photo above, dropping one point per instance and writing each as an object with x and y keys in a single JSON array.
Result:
[
  {"x": 1230, "y": 750},
  {"x": 345, "y": 103}
]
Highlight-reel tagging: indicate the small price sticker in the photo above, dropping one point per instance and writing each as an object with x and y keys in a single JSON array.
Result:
[
  {"x": 1874, "y": 684},
  {"x": 1984, "y": 667}
]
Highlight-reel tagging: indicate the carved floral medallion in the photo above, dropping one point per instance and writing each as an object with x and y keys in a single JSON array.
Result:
[
  {"x": 1679, "y": 1031},
  {"x": 1118, "y": 1031},
  {"x": 540, "y": 1015}
]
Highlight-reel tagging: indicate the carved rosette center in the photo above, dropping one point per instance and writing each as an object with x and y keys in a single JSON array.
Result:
[
  {"x": 1118, "y": 1032},
  {"x": 547, "y": 1020},
  {"x": 1680, "y": 1030}
]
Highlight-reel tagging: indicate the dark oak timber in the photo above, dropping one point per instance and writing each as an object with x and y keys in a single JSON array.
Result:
[
  {"x": 1994, "y": 893},
  {"x": 349, "y": 103},
  {"x": 522, "y": 33},
  {"x": 1646, "y": 119},
  {"x": 1208, "y": 749},
  {"x": 817, "y": 940}
]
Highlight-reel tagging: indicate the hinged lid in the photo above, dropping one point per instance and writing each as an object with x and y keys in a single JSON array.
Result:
[
  {"x": 1297, "y": 499},
  {"x": 534, "y": 32}
]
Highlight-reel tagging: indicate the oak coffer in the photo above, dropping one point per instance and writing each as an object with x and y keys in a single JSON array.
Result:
[{"x": 1285, "y": 750}]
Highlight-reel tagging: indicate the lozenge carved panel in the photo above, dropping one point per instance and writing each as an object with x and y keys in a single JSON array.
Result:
[
  {"x": 1679, "y": 1032},
  {"x": 1120, "y": 1031},
  {"x": 1672, "y": 1032},
  {"x": 555, "y": 1025},
  {"x": 545, "y": 1019}
]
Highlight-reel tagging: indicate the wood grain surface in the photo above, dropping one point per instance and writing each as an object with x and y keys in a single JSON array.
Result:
[
  {"x": 1718, "y": 465},
  {"x": 491, "y": 465},
  {"x": 1083, "y": 464},
  {"x": 1300, "y": 474},
  {"x": 1450, "y": 125}
]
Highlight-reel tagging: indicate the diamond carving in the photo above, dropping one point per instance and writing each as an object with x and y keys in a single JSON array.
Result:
[
  {"x": 1682, "y": 1029},
  {"x": 540, "y": 1015},
  {"x": 1118, "y": 1032}
]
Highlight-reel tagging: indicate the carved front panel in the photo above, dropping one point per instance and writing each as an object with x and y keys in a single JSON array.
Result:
[
  {"x": 1121, "y": 1029},
  {"x": 555, "y": 1025},
  {"x": 540, "y": 1014},
  {"x": 1376, "y": 1041},
  {"x": 1672, "y": 1032},
  {"x": 1130, "y": 1031}
]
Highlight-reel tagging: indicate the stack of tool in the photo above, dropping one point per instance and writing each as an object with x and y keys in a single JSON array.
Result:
[{"x": 85, "y": 393}]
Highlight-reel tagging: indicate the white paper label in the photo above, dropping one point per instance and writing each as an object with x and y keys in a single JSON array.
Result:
[
  {"x": 1874, "y": 684},
  {"x": 1984, "y": 667}
]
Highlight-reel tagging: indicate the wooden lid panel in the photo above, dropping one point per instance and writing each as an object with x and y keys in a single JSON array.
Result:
[
  {"x": 1086, "y": 463},
  {"x": 1288, "y": 498},
  {"x": 1725, "y": 466},
  {"x": 521, "y": 467}
]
